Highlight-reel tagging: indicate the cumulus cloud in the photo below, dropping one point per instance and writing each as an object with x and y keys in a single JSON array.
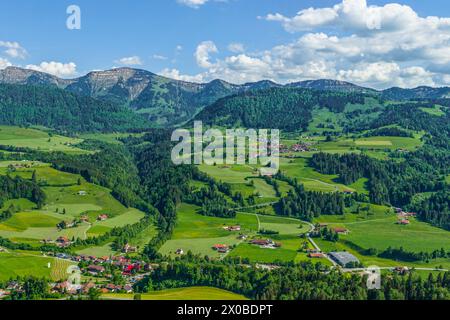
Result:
[
  {"x": 372, "y": 45},
  {"x": 55, "y": 68},
  {"x": 192, "y": 3},
  {"x": 202, "y": 53},
  {"x": 4, "y": 63},
  {"x": 175, "y": 74},
  {"x": 129, "y": 61},
  {"x": 13, "y": 49}
]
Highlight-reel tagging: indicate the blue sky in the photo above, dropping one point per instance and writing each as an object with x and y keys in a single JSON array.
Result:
[{"x": 237, "y": 40}]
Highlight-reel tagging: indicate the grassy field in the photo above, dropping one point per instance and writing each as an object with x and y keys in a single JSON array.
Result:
[
  {"x": 62, "y": 191},
  {"x": 313, "y": 180},
  {"x": 243, "y": 179},
  {"x": 13, "y": 264},
  {"x": 108, "y": 137},
  {"x": 436, "y": 111},
  {"x": 98, "y": 251},
  {"x": 377, "y": 228},
  {"x": 191, "y": 293},
  {"x": 37, "y": 139},
  {"x": 198, "y": 234}
]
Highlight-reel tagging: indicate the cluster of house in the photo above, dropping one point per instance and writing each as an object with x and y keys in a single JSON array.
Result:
[
  {"x": 24, "y": 164},
  {"x": 338, "y": 230},
  {"x": 266, "y": 243},
  {"x": 66, "y": 287},
  {"x": 297, "y": 147},
  {"x": 62, "y": 242},
  {"x": 403, "y": 216},
  {"x": 67, "y": 224}
]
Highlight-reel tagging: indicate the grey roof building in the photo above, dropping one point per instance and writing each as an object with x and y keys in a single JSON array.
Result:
[{"x": 343, "y": 258}]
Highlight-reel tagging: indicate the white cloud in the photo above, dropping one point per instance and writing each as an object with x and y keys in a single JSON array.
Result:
[
  {"x": 193, "y": 3},
  {"x": 372, "y": 45},
  {"x": 355, "y": 15},
  {"x": 55, "y": 68},
  {"x": 202, "y": 53},
  {"x": 13, "y": 49},
  {"x": 159, "y": 57},
  {"x": 129, "y": 61},
  {"x": 4, "y": 63},
  {"x": 175, "y": 74},
  {"x": 236, "y": 47},
  {"x": 381, "y": 73}
]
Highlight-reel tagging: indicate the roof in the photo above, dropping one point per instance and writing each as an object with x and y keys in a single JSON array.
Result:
[
  {"x": 340, "y": 230},
  {"x": 218, "y": 246},
  {"x": 343, "y": 258},
  {"x": 96, "y": 268}
]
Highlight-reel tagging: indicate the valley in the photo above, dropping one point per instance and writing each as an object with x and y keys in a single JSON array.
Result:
[{"x": 359, "y": 175}]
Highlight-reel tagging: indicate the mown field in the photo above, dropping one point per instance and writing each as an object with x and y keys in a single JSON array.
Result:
[
  {"x": 64, "y": 203},
  {"x": 37, "y": 139},
  {"x": 13, "y": 264},
  {"x": 191, "y": 293}
]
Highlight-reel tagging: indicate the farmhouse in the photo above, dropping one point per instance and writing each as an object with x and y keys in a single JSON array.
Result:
[
  {"x": 340, "y": 230},
  {"x": 403, "y": 222},
  {"x": 267, "y": 244},
  {"x": 343, "y": 258},
  {"x": 316, "y": 255},
  {"x": 4, "y": 293},
  {"x": 84, "y": 218},
  {"x": 96, "y": 270},
  {"x": 401, "y": 270},
  {"x": 221, "y": 248},
  {"x": 179, "y": 252},
  {"x": 233, "y": 228},
  {"x": 261, "y": 242},
  {"x": 102, "y": 217},
  {"x": 127, "y": 248},
  {"x": 87, "y": 286},
  {"x": 63, "y": 242}
]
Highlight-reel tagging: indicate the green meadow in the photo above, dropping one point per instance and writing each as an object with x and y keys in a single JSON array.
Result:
[
  {"x": 197, "y": 233},
  {"x": 68, "y": 197},
  {"x": 190, "y": 293},
  {"x": 14, "y": 264},
  {"x": 37, "y": 139}
]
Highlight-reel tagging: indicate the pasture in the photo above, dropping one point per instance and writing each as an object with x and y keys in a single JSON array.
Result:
[
  {"x": 377, "y": 228},
  {"x": 68, "y": 197},
  {"x": 197, "y": 233},
  {"x": 190, "y": 293},
  {"x": 38, "y": 140},
  {"x": 14, "y": 264}
]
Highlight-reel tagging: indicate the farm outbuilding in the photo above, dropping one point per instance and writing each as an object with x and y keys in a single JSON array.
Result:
[{"x": 343, "y": 258}]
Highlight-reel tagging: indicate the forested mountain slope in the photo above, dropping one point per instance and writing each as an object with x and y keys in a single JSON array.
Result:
[{"x": 58, "y": 109}]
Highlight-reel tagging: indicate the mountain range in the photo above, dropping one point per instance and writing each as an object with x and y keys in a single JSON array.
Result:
[{"x": 166, "y": 101}]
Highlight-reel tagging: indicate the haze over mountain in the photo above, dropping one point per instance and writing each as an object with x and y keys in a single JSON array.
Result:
[{"x": 166, "y": 101}]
